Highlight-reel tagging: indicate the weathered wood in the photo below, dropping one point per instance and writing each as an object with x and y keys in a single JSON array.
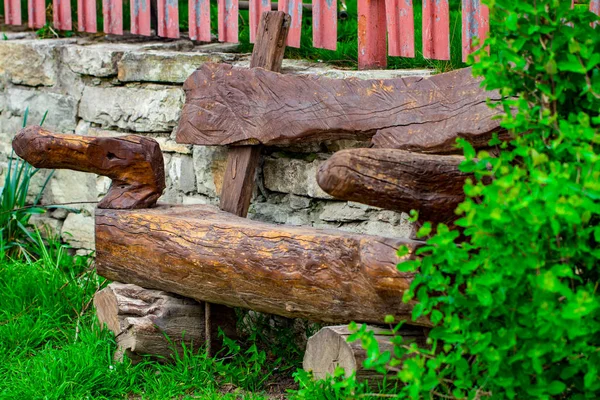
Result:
[
  {"x": 329, "y": 348},
  {"x": 211, "y": 255},
  {"x": 396, "y": 180},
  {"x": 134, "y": 163},
  {"x": 227, "y": 105},
  {"x": 153, "y": 322},
  {"x": 238, "y": 180}
]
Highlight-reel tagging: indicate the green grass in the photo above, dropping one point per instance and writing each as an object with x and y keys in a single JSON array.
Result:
[
  {"x": 53, "y": 348},
  {"x": 346, "y": 54}
]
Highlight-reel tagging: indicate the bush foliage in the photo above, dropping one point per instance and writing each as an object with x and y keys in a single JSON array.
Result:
[{"x": 513, "y": 292}]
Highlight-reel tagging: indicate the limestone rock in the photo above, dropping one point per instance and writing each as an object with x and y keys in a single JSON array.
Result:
[
  {"x": 342, "y": 212},
  {"x": 96, "y": 60},
  {"x": 162, "y": 66},
  {"x": 61, "y": 108},
  {"x": 209, "y": 165},
  {"x": 180, "y": 174},
  {"x": 293, "y": 176},
  {"x": 136, "y": 109},
  {"x": 46, "y": 224},
  {"x": 78, "y": 231}
]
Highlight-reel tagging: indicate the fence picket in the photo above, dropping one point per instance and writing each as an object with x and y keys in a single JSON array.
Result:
[
  {"x": 324, "y": 14},
  {"x": 475, "y": 16},
  {"x": 140, "y": 17},
  {"x": 86, "y": 16},
  {"x": 112, "y": 13},
  {"x": 371, "y": 34},
  {"x": 36, "y": 13},
  {"x": 595, "y": 8},
  {"x": 294, "y": 9},
  {"x": 228, "y": 20},
  {"x": 256, "y": 8},
  {"x": 400, "y": 28},
  {"x": 199, "y": 20},
  {"x": 61, "y": 15},
  {"x": 12, "y": 12},
  {"x": 436, "y": 29},
  {"x": 168, "y": 18}
]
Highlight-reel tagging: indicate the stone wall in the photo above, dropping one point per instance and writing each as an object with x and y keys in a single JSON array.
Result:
[{"x": 103, "y": 88}]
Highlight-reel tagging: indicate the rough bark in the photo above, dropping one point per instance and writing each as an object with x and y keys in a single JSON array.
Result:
[
  {"x": 227, "y": 105},
  {"x": 396, "y": 180},
  {"x": 135, "y": 164},
  {"x": 211, "y": 255},
  {"x": 153, "y": 322},
  {"x": 329, "y": 348}
]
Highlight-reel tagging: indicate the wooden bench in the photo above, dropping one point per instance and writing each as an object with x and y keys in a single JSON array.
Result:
[{"x": 217, "y": 255}]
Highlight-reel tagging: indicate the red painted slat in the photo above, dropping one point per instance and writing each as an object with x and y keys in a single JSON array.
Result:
[
  {"x": 436, "y": 29},
  {"x": 371, "y": 34},
  {"x": 595, "y": 7},
  {"x": 476, "y": 24},
  {"x": 168, "y": 18},
  {"x": 257, "y": 8},
  {"x": 61, "y": 15},
  {"x": 325, "y": 24},
  {"x": 86, "y": 16},
  {"x": 199, "y": 20},
  {"x": 112, "y": 13},
  {"x": 228, "y": 21},
  {"x": 37, "y": 13},
  {"x": 12, "y": 12},
  {"x": 400, "y": 28},
  {"x": 294, "y": 9},
  {"x": 140, "y": 17}
]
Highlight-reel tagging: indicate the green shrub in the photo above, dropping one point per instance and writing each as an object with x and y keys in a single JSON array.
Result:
[{"x": 514, "y": 298}]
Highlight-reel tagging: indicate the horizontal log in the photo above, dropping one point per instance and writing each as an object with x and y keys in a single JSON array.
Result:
[
  {"x": 396, "y": 180},
  {"x": 329, "y": 348},
  {"x": 134, "y": 163},
  {"x": 227, "y": 105},
  {"x": 211, "y": 255},
  {"x": 156, "y": 323}
]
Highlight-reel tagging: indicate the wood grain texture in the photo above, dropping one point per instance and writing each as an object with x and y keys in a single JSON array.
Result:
[
  {"x": 396, "y": 180},
  {"x": 329, "y": 348},
  {"x": 134, "y": 163},
  {"x": 227, "y": 105},
  {"x": 211, "y": 255},
  {"x": 140, "y": 318}
]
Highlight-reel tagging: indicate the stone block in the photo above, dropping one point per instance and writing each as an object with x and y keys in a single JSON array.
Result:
[
  {"x": 78, "y": 231},
  {"x": 295, "y": 176},
  {"x": 47, "y": 225},
  {"x": 180, "y": 173},
  {"x": 31, "y": 62},
  {"x": 136, "y": 109},
  {"x": 278, "y": 214},
  {"x": 342, "y": 212},
  {"x": 209, "y": 166},
  {"x": 95, "y": 60},
  {"x": 62, "y": 109},
  {"x": 71, "y": 186},
  {"x": 162, "y": 66}
]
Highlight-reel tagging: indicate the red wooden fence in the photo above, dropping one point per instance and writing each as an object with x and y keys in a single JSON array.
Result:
[{"x": 385, "y": 27}]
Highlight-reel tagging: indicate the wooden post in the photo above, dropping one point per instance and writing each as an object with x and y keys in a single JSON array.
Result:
[{"x": 238, "y": 180}]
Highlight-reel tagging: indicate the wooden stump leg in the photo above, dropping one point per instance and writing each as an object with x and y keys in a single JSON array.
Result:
[
  {"x": 329, "y": 348},
  {"x": 157, "y": 323}
]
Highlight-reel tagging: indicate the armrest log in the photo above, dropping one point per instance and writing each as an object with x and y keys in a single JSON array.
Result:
[{"x": 135, "y": 164}]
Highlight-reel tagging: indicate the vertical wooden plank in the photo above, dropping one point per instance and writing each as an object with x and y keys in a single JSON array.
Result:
[
  {"x": 436, "y": 29},
  {"x": 256, "y": 9},
  {"x": 61, "y": 15},
  {"x": 112, "y": 13},
  {"x": 199, "y": 20},
  {"x": 86, "y": 16},
  {"x": 324, "y": 15},
  {"x": 294, "y": 9},
  {"x": 228, "y": 21},
  {"x": 400, "y": 28},
  {"x": 140, "y": 17},
  {"x": 476, "y": 24},
  {"x": 168, "y": 18},
  {"x": 37, "y": 13},
  {"x": 371, "y": 34},
  {"x": 12, "y": 12}
]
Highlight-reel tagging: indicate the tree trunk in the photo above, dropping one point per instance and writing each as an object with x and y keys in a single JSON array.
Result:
[
  {"x": 227, "y": 105},
  {"x": 157, "y": 323},
  {"x": 211, "y": 255},
  {"x": 396, "y": 180},
  {"x": 329, "y": 348}
]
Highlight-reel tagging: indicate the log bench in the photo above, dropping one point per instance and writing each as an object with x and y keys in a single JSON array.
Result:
[{"x": 216, "y": 255}]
